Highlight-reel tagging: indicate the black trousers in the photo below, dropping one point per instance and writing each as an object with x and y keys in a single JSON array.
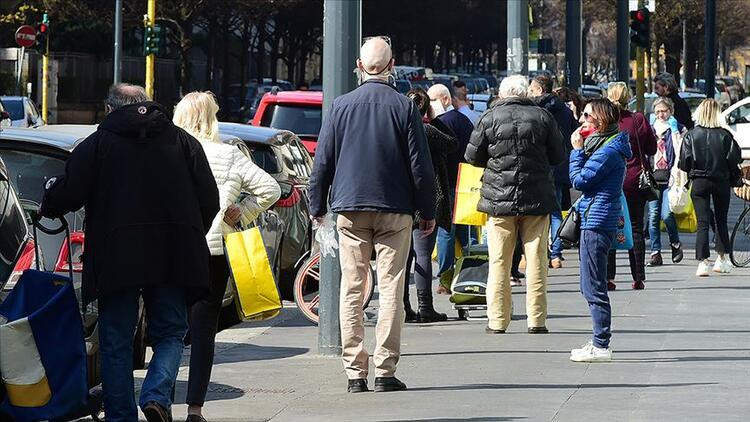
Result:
[
  {"x": 636, "y": 255},
  {"x": 704, "y": 191},
  {"x": 204, "y": 321}
]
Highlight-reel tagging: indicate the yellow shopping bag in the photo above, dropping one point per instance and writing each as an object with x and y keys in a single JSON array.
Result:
[
  {"x": 468, "y": 188},
  {"x": 256, "y": 294},
  {"x": 687, "y": 222}
]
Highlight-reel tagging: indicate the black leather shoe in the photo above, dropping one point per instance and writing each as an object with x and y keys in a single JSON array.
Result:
[
  {"x": 430, "y": 315},
  {"x": 676, "y": 253},
  {"x": 538, "y": 330},
  {"x": 489, "y": 330},
  {"x": 383, "y": 384},
  {"x": 656, "y": 260},
  {"x": 410, "y": 315},
  {"x": 357, "y": 386},
  {"x": 155, "y": 412},
  {"x": 195, "y": 418}
]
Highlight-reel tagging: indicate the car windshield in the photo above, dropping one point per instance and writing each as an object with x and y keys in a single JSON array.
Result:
[
  {"x": 30, "y": 171},
  {"x": 264, "y": 157},
  {"x": 302, "y": 120},
  {"x": 14, "y": 108}
]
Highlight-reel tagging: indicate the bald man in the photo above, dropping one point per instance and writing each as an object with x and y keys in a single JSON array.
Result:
[
  {"x": 373, "y": 168},
  {"x": 441, "y": 99}
]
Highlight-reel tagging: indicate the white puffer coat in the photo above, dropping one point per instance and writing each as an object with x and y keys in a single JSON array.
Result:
[{"x": 235, "y": 173}]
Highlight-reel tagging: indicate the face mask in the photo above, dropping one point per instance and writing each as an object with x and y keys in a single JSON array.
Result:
[{"x": 437, "y": 107}]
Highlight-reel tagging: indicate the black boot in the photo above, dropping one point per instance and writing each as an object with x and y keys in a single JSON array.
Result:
[
  {"x": 410, "y": 315},
  {"x": 427, "y": 312}
]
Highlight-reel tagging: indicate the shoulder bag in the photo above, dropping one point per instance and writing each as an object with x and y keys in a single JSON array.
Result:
[{"x": 646, "y": 181}]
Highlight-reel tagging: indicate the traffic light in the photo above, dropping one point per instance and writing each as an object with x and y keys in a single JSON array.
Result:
[
  {"x": 42, "y": 30},
  {"x": 640, "y": 28},
  {"x": 152, "y": 39}
]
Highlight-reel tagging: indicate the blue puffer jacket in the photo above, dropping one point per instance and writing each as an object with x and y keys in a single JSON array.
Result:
[{"x": 600, "y": 177}]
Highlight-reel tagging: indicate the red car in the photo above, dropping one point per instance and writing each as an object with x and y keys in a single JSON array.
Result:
[{"x": 296, "y": 111}]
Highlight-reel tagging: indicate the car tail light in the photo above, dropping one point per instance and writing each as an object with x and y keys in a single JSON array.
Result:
[
  {"x": 25, "y": 262},
  {"x": 290, "y": 200},
  {"x": 76, "y": 242}
]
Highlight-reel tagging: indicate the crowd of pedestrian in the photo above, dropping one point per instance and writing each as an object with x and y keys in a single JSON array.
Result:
[{"x": 165, "y": 191}]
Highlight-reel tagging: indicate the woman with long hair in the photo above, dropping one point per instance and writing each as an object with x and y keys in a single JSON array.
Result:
[
  {"x": 711, "y": 156},
  {"x": 597, "y": 169},
  {"x": 234, "y": 173},
  {"x": 642, "y": 145},
  {"x": 440, "y": 140}
]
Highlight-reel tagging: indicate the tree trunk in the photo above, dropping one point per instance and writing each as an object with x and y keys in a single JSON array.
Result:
[{"x": 225, "y": 74}]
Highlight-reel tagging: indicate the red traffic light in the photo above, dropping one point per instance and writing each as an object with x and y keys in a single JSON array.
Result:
[
  {"x": 640, "y": 16},
  {"x": 42, "y": 28}
]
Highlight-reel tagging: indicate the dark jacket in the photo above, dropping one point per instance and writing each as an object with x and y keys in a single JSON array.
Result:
[
  {"x": 150, "y": 198},
  {"x": 642, "y": 144},
  {"x": 681, "y": 110},
  {"x": 441, "y": 141},
  {"x": 709, "y": 153},
  {"x": 518, "y": 143},
  {"x": 599, "y": 178},
  {"x": 567, "y": 124},
  {"x": 372, "y": 155},
  {"x": 462, "y": 127}
]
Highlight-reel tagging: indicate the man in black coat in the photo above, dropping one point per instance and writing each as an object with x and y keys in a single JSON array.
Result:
[
  {"x": 150, "y": 197},
  {"x": 666, "y": 86},
  {"x": 518, "y": 144},
  {"x": 540, "y": 90}
]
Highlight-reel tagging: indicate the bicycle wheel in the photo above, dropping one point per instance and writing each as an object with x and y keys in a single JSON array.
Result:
[
  {"x": 307, "y": 287},
  {"x": 740, "y": 251}
]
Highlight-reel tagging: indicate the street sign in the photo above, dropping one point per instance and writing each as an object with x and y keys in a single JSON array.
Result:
[{"x": 26, "y": 36}]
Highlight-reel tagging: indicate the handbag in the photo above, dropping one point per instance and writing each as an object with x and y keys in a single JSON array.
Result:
[
  {"x": 255, "y": 290},
  {"x": 468, "y": 193},
  {"x": 646, "y": 181},
  {"x": 569, "y": 231}
]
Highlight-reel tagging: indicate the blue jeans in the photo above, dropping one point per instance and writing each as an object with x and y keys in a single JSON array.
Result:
[
  {"x": 593, "y": 251},
  {"x": 166, "y": 319},
  {"x": 446, "y": 246},
  {"x": 658, "y": 211},
  {"x": 556, "y": 248}
]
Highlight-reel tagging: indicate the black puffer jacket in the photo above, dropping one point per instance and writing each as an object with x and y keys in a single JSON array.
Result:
[
  {"x": 441, "y": 141},
  {"x": 518, "y": 143},
  {"x": 709, "y": 153}
]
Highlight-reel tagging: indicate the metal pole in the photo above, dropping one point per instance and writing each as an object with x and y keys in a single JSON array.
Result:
[
  {"x": 573, "y": 43},
  {"x": 45, "y": 81},
  {"x": 710, "y": 68},
  {"x": 19, "y": 62},
  {"x": 640, "y": 87},
  {"x": 150, "y": 20},
  {"x": 117, "y": 57},
  {"x": 684, "y": 53},
  {"x": 342, "y": 32},
  {"x": 623, "y": 42},
  {"x": 518, "y": 37}
]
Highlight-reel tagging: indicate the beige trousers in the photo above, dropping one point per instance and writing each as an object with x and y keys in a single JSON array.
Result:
[
  {"x": 390, "y": 235},
  {"x": 501, "y": 241}
]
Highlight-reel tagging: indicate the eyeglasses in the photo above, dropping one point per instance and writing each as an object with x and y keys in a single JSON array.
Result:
[{"x": 385, "y": 38}]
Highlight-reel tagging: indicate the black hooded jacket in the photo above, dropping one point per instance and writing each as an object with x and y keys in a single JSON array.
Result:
[
  {"x": 149, "y": 196},
  {"x": 567, "y": 124}
]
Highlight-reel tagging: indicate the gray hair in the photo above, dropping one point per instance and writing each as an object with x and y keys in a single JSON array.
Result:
[
  {"x": 124, "y": 94},
  {"x": 513, "y": 86},
  {"x": 667, "y": 79},
  {"x": 665, "y": 101}
]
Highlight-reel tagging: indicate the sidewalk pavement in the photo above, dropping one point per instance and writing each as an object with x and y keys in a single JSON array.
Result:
[{"x": 681, "y": 350}]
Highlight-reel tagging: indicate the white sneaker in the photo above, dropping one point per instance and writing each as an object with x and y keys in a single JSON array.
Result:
[
  {"x": 591, "y": 353},
  {"x": 722, "y": 266},
  {"x": 703, "y": 268}
]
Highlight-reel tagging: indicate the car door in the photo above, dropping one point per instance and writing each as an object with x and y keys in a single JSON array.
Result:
[
  {"x": 738, "y": 122},
  {"x": 14, "y": 233}
]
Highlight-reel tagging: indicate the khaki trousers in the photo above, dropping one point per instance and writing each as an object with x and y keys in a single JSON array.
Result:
[
  {"x": 501, "y": 240},
  {"x": 389, "y": 234}
]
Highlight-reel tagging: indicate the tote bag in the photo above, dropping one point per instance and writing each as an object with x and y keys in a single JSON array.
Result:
[
  {"x": 256, "y": 293},
  {"x": 468, "y": 187},
  {"x": 624, "y": 235}
]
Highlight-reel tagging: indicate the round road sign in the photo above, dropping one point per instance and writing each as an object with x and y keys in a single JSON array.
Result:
[{"x": 26, "y": 36}]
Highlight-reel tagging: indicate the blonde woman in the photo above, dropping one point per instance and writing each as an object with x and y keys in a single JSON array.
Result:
[
  {"x": 643, "y": 145},
  {"x": 708, "y": 154},
  {"x": 234, "y": 173}
]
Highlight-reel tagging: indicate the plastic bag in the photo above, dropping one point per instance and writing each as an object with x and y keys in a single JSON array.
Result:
[
  {"x": 325, "y": 235},
  {"x": 679, "y": 199}
]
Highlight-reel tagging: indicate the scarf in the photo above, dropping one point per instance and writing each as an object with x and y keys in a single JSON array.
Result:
[{"x": 597, "y": 139}]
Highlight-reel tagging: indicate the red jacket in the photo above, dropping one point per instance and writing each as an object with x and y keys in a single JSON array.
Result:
[{"x": 643, "y": 144}]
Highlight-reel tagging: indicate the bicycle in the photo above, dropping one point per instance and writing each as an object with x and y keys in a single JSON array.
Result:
[
  {"x": 740, "y": 239},
  {"x": 307, "y": 285}
]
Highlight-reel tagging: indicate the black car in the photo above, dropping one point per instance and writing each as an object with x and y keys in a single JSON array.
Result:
[{"x": 282, "y": 155}]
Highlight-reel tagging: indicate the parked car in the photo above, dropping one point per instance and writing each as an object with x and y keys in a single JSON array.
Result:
[
  {"x": 422, "y": 83},
  {"x": 590, "y": 92},
  {"x": 300, "y": 112},
  {"x": 23, "y": 111},
  {"x": 737, "y": 120},
  {"x": 4, "y": 118},
  {"x": 282, "y": 154},
  {"x": 242, "y": 106},
  {"x": 720, "y": 92},
  {"x": 734, "y": 87},
  {"x": 14, "y": 232},
  {"x": 480, "y": 102}
]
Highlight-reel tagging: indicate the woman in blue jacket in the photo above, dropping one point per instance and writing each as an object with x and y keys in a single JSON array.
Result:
[{"x": 597, "y": 169}]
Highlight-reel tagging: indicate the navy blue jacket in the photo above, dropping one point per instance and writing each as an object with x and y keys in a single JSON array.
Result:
[
  {"x": 600, "y": 178},
  {"x": 462, "y": 127},
  {"x": 372, "y": 155},
  {"x": 567, "y": 124}
]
